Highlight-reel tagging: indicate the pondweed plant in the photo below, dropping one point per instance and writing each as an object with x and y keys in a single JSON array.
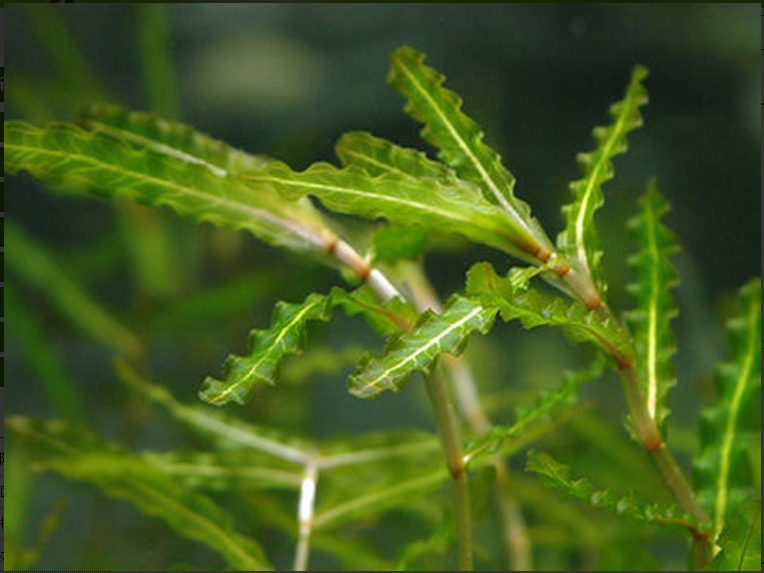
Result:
[{"x": 408, "y": 197}]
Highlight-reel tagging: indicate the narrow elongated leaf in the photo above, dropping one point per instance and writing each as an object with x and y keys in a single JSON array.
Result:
[
  {"x": 459, "y": 139},
  {"x": 174, "y": 139},
  {"x": 723, "y": 473},
  {"x": 85, "y": 457},
  {"x": 557, "y": 475},
  {"x": 286, "y": 336},
  {"x": 35, "y": 266},
  {"x": 400, "y": 199},
  {"x": 378, "y": 156},
  {"x": 65, "y": 154},
  {"x": 579, "y": 241},
  {"x": 525, "y": 416},
  {"x": 651, "y": 321},
  {"x": 268, "y": 348},
  {"x": 419, "y": 349},
  {"x": 225, "y": 432},
  {"x": 42, "y": 357},
  {"x": 517, "y": 300},
  {"x": 227, "y": 471}
]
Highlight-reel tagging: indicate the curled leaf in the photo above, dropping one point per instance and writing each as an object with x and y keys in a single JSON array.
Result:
[
  {"x": 460, "y": 140},
  {"x": 400, "y": 199},
  {"x": 651, "y": 321},
  {"x": 419, "y": 349},
  {"x": 557, "y": 476},
  {"x": 65, "y": 154},
  {"x": 723, "y": 472},
  {"x": 286, "y": 336},
  {"x": 579, "y": 241},
  {"x": 82, "y": 456},
  {"x": 171, "y": 138},
  {"x": 516, "y": 300}
]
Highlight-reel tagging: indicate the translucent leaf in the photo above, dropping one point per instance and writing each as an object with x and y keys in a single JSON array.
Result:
[
  {"x": 286, "y": 336},
  {"x": 547, "y": 402},
  {"x": 64, "y": 154},
  {"x": 268, "y": 348},
  {"x": 82, "y": 456},
  {"x": 516, "y": 300},
  {"x": 401, "y": 493},
  {"x": 419, "y": 349},
  {"x": 400, "y": 199},
  {"x": 226, "y": 471},
  {"x": 42, "y": 356},
  {"x": 723, "y": 473},
  {"x": 579, "y": 241},
  {"x": 558, "y": 476},
  {"x": 174, "y": 139},
  {"x": 651, "y": 321},
  {"x": 224, "y": 431},
  {"x": 460, "y": 140},
  {"x": 378, "y": 156},
  {"x": 34, "y": 265},
  {"x": 393, "y": 243}
]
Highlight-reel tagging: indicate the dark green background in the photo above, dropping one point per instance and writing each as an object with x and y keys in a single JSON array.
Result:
[{"x": 287, "y": 80}]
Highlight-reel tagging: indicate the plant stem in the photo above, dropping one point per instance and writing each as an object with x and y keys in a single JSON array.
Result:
[
  {"x": 663, "y": 458},
  {"x": 467, "y": 400},
  {"x": 305, "y": 515},
  {"x": 648, "y": 432},
  {"x": 450, "y": 436}
]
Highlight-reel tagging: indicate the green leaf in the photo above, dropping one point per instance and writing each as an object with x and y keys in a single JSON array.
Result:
[
  {"x": 516, "y": 300},
  {"x": 740, "y": 540},
  {"x": 557, "y": 476},
  {"x": 146, "y": 130},
  {"x": 225, "y": 471},
  {"x": 723, "y": 474},
  {"x": 651, "y": 321},
  {"x": 42, "y": 357},
  {"x": 34, "y": 265},
  {"x": 156, "y": 58},
  {"x": 400, "y": 199},
  {"x": 419, "y": 349},
  {"x": 286, "y": 336},
  {"x": 84, "y": 457},
  {"x": 268, "y": 348},
  {"x": 64, "y": 154},
  {"x": 393, "y": 243},
  {"x": 579, "y": 241},
  {"x": 224, "y": 431},
  {"x": 460, "y": 141},
  {"x": 547, "y": 402},
  {"x": 378, "y": 156}
]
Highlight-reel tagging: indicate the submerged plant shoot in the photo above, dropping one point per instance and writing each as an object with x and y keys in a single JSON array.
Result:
[{"x": 499, "y": 479}]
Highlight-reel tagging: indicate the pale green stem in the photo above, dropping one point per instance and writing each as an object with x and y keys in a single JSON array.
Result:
[
  {"x": 648, "y": 432},
  {"x": 450, "y": 435},
  {"x": 467, "y": 399},
  {"x": 305, "y": 515},
  {"x": 670, "y": 471}
]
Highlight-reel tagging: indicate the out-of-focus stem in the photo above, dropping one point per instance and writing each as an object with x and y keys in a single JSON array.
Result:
[
  {"x": 652, "y": 441},
  {"x": 467, "y": 397},
  {"x": 305, "y": 513},
  {"x": 450, "y": 435}
]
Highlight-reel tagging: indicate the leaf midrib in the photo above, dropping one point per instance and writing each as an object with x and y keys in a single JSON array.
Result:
[
  {"x": 466, "y": 150},
  {"x": 592, "y": 183},
  {"x": 729, "y": 430},
  {"x": 285, "y": 224},
  {"x": 271, "y": 349},
  {"x": 432, "y": 342}
]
